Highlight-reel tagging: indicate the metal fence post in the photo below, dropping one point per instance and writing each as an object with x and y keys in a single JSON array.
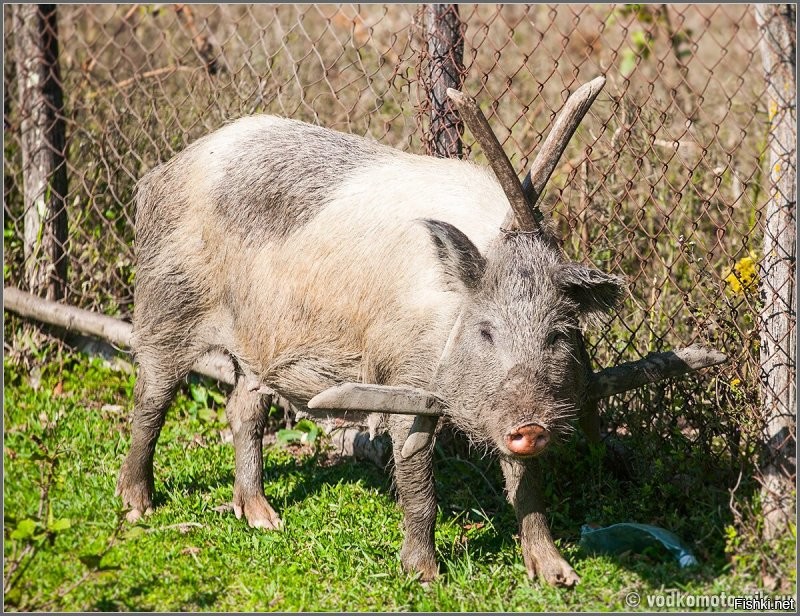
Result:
[
  {"x": 445, "y": 36},
  {"x": 42, "y": 131},
  {"x": 778, "y": 281}
]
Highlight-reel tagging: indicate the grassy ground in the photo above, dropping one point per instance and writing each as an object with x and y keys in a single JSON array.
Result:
[{"x": 66, "y": 433}]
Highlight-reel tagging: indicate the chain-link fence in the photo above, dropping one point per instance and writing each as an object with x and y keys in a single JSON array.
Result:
[{"x": 667, "y": 182}]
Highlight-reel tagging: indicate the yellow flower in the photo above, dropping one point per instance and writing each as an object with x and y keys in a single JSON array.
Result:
[{"x": 744, "y": 276}]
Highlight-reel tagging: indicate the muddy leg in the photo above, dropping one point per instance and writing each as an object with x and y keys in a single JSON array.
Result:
[
  {"x": 247, "y": 415},
  {"x": 540, "y": 554},
  {"x": 415, "y": 489}
]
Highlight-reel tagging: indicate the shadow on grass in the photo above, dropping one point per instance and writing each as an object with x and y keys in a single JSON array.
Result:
[
  {"x": 111, "y": 602},
  {"x": 580, "y": 486},
  {"x": 310, "y": 476}
]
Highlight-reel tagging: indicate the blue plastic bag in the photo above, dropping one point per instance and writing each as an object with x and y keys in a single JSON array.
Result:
[{"x": 628, "y": 536}]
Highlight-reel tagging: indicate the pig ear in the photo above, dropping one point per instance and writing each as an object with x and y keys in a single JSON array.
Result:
[
  {"x": 461, "y": 260},
  {"x": 593, "y": 290}
]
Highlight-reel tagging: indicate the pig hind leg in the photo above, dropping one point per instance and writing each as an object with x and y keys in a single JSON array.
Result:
[
  {"x": 247, "y": 415},
  {"x": 158, "y": 377}
]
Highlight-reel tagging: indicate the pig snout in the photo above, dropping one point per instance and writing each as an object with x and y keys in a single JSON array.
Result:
[{"x": 527, "y": 440}]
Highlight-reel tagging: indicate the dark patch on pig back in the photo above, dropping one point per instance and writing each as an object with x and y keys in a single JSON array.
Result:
[{"x": 279, "y": 177}]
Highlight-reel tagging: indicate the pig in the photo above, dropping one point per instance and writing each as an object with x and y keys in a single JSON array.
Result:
[{"x": 312, "y": 258}]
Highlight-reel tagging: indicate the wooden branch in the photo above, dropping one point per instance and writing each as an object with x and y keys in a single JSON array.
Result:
[
  {"x": 377, "y": 399},
  {"x": 386, "y": 399},
  {"x": 525, "y": 218},
  {"x": 217, "y": 366},
  {"x": 360, "y": 396},
  {"x": 115, "y": 331},
  {"x": 567, "y": 122},
  {"x": 156, "y": 72},
  {"x": 655, "y": 367},
  {"x": 420, "y": 435},
  {"x": 603, "y": 384},
  {"x": 350, "y": 442},
  {"x": 72, "y": 319}
]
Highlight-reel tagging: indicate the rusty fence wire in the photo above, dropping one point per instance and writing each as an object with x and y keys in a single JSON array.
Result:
[{"x": 667, "y": 182}]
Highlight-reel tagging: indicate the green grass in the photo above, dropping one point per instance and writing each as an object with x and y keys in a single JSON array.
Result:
[{"x": 343, "y": 529}]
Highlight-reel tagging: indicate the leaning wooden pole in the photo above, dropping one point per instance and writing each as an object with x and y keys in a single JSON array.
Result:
[
  {"x": 43, "y": 145},
  {"x": 778, "y": 319},
  {"x": 445, "y": 34}
]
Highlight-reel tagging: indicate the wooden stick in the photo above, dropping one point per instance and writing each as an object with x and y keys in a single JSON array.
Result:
[
  {"x": 567, "y": 122},
  {"x": 156, "y": 72},
  {"x": 420, "y": 436},
  {"x": 653, "y": 368},
  {"x": 526, "y": 219},
  {"x": 377, "y": 399},
  {"x": 115, "y": 331},
  {"x": 425, "y": 406},
  {"x": 72, "y": 319},
  {"x": 603, "y": 384}
]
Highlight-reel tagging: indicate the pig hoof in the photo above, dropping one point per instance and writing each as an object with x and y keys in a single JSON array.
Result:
[
  {"x": 258, "y": 512},
  {"x": 134, "y": 515},
  {"x": 426, "y": 567},
  {"x": 136, "y": 497},
  {"x": 556, "y": 573},
  {"x": 427, "y": 572}
]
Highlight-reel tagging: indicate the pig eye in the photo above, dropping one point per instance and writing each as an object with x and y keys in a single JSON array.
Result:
[
  {"x": 486, "y": 334},
  {"x": 556, "y": 337}
]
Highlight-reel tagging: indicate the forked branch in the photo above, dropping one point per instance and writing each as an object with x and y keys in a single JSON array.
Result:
[
  {"x": 527, "y": 218},
  {"x": 567, "y": 122},
  {"x": 525, "y": 215}
]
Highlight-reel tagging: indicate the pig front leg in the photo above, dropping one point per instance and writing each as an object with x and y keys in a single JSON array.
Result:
[
  {"x": 540, "y": 554},
  {"x": 413, "y": 476}
]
